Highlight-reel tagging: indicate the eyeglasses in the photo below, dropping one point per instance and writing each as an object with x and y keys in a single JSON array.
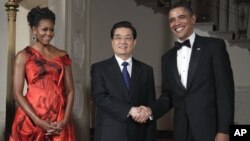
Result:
[{"x": 120, "y": 38}]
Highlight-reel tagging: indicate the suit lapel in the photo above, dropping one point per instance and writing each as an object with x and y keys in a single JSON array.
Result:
[
  {"x": 175, "y": 69},
  {"x": 194, "y": 60},
  {"x": 135, "y": 77}
]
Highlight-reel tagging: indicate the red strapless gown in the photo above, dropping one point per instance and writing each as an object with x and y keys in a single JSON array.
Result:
[{"x": 46, "y": 96}]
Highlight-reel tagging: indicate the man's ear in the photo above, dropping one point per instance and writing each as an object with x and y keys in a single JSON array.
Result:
[
  {"x": 194, "y": 19},
  {"x": 134, "y": 43}
]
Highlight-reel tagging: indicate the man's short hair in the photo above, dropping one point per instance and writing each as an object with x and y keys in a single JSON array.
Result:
[
  {"x": 185, "y": 5},
  {"x": 124, "y": 24}
]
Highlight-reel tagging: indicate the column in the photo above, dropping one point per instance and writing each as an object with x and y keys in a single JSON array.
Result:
[{"x": 11, "y": 6}]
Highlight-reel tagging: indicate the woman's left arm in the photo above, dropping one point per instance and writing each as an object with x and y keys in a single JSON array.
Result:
[{"x": 69, "y": 91}]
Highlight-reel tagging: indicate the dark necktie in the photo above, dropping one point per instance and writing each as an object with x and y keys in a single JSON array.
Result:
[
  {"x": 125, "y": 75},
  {"x": 180, "y": 45}
]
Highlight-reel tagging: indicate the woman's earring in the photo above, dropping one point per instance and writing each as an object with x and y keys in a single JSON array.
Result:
[{"x": 34, "y": 38}]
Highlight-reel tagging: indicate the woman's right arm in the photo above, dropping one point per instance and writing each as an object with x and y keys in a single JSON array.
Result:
[{"x": 18, "y": 85}]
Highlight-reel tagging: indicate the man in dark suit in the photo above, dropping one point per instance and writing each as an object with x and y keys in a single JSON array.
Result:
[
  {"x": 119, "y": 85},
  {"x": 197, "y": 80}
]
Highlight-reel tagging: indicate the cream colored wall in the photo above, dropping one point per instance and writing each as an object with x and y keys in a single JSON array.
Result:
[
  {"x": 241, "y": 65},
  {"x": 59, "y": 8},
  {"x": 23, "y": 36}
]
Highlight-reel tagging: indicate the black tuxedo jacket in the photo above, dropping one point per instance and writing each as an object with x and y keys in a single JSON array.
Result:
[
  {"x": 206, "y": 106},
  {"x": 113, "y": 101}
]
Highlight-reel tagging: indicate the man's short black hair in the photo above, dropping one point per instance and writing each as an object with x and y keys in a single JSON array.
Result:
[
  {"x": 124, "y": 24},
  {"x": 185, "y": 5}
]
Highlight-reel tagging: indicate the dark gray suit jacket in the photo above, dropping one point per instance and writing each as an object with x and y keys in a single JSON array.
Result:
[
  {"x": 206, "y": 106},
  {"x": 113, "y": 101}
]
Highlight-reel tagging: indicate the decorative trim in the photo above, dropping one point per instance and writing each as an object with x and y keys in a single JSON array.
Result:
[{"x": 242, "y": 89}]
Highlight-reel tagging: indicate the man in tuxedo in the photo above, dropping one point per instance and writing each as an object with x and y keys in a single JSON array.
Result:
[
  {"x": 119, "y": 85},
  {"x": 197, "y": 81}
]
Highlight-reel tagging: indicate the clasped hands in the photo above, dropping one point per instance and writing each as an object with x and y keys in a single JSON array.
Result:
[
  {"x": 140, "y": 114},
  {"x": 51, "y": 128},
  {"x": 55, "y": 129}
]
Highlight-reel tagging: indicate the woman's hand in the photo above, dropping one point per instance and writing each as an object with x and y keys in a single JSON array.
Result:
[
  {"x": 59, "y": 127},
  {"x": 47, "y": 126},
  {"x": 61, "y": 124}
]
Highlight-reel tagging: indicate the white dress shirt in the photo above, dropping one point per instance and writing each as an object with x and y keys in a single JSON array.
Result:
[
  {"x": 183, "y": 59},
  {"x": 129, "y": 61}
]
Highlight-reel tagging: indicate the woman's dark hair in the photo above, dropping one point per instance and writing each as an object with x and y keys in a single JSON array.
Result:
[
  {"x": 125, "y": 24},
  {"x": 37, "y": 14}
]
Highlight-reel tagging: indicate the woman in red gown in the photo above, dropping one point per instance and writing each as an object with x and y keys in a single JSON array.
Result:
[{"x": 43, "y": 114}]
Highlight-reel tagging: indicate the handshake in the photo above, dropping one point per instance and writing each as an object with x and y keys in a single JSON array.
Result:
[{"x": 140, "y": 114}]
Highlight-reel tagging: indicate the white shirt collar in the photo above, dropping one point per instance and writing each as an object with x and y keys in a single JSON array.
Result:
[
  {"x": 120, "y": 61},
  {"x": 191, "y": 39}
]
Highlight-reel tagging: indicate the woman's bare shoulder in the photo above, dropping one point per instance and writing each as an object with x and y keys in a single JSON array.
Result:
[
  {"x": 21, "y": 56},
  {"x": 59, "y": 52}
]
